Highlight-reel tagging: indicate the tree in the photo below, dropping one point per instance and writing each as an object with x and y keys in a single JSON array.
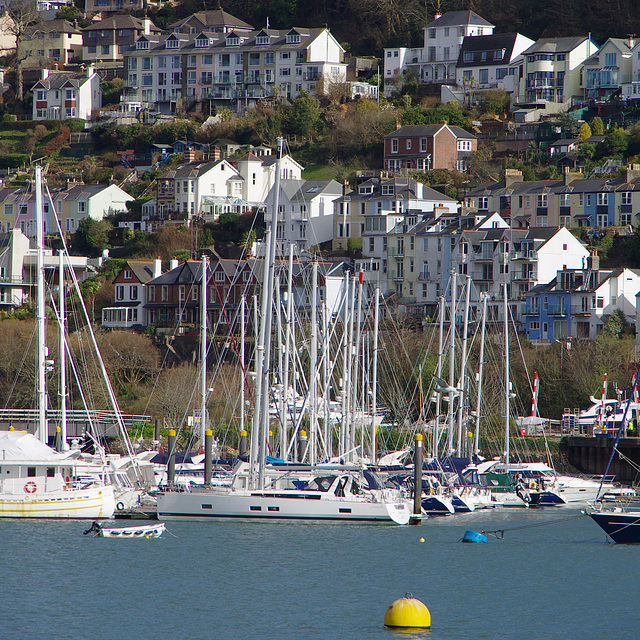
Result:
[
  {"x": 92, "y": 236},
  {"x": 24, "y": 19},
  {"x": 585, "y": 131},
  {"x": 597, "y": 127},
  {"x": 304, "y": 115}
]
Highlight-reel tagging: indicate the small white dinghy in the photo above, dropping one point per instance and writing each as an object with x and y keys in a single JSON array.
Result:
[{"x": 146, "y": 531}]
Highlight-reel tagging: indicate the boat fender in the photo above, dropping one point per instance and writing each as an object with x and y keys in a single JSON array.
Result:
[
  {"x": 120, "y": 506},
  {"x": 30, "y": 487}
]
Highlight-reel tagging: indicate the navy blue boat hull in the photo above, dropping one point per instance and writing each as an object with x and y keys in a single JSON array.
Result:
[{"x": 622, "y": 528}]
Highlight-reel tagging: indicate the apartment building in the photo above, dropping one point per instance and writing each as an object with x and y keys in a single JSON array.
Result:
[
  {"x": 235, "y": 68},
  {"x": 552, "y": 76}
]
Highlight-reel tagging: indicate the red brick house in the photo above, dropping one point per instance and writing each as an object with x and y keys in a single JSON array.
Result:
[{"x": 426, "y": 147}]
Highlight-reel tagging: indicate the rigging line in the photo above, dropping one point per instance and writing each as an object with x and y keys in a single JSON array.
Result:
[
  {"x": 536, "y": 524},
  {"x": 233, "y": 339},
  {"x": 620, "y": 431}
]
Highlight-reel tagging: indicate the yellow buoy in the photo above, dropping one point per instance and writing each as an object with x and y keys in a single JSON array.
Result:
[
  {"x": 409, "y": 613},
  {"x": 421, "y": 539}
]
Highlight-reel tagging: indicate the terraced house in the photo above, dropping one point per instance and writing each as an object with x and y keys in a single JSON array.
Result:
[
  {"x": 185, "y": 69},
  {"x": 571, "y": 202}
]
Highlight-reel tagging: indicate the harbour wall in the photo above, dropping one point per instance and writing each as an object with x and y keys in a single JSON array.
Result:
[{"x": 591, "y": 456}]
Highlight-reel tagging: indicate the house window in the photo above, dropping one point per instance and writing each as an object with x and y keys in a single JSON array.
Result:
[
  {"x": 120, "y": 292},
  {"x": 603, "y": 220},
  {"x": 542, "y": 201},
  {"x": 625, "y": 219},
  {"x": 626, "y": 197},
  {"x": 394, "y": 145},
  {"x": 483, "y": 202},
  {"x": 152, "y": 293},
  {"x": 133, "y": 292},
  {"x": 164, "y": 293},
  {"x": 484, "y": 76},
  {"x": 602, "y": 199}
]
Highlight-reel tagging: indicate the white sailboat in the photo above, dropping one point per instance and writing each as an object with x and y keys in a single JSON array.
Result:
[
  {"x": 324, "y": 494},
  {"x": 36, "y": 481}
]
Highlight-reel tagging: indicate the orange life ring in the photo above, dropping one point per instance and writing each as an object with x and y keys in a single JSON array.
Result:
[{"x": 30, "y": 487}]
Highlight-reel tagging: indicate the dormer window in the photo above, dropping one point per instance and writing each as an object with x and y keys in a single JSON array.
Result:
[
  {"x": 293, "y": 38},
  {"x": 233, "y": 40},
  {"x": 202, "y": 42},
  {"x": 262, "y": 39},
  {"x": 387, "y": 190},
  {"x": 172, "y": 43},
  {"x": 142, "y": 44},
  {"x": 365, "y": 189}
]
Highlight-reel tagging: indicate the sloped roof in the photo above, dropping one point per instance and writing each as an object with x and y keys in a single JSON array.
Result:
[
  {"x": 458, "y": 19},
  {"x": 427, "y": 130}
]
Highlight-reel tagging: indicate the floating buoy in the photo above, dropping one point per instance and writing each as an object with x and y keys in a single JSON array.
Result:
[
  {"x": 473, "y": 536},
  {"x": 421, "y": 539},
  {"x": 407, "y": 613}
]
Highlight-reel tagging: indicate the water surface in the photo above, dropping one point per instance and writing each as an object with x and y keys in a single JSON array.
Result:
[{"x": 246, "y": 580}]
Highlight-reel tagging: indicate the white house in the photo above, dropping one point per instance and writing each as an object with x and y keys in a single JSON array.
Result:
[
  {"x": 305, "y": 211},
  {"x": 83, "y": 201},
  {"x": 59, "y": 95},
  {"x": 487, "y": 62},
  {"x": 436, "y": 60}
]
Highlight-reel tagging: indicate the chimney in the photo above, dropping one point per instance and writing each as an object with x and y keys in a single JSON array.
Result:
[
  {"x": 631, "y": 42},
  {"x": 569, "y": 176},
  {"x": 44, "y": 74},
  {"x": 512, "y": 176},
  {"x": 173, "y": 264},
  {"x": 633, "y": 172},
  {"x": 189, "y": 155},
  {"x": 146, "y": 26},
  {"x": 157, "y": 267},
  {"x": 398, "y": 125},
  {"x": 90, "y": 71}
]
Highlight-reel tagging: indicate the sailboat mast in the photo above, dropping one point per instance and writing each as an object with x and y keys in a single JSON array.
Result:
[
  {"x": 284, "y": 429},
  {"x": 62, "y": 357},
  {"x": 436, "y": 426},
  {"x": 345, "y": 351},
  {"x": 203, "y": 351},
  {"x": 43, "y": 431},
  {"x": 313, "y": 369},
  {"x": 243, "y": 377},
  {"x": 463, "y": 366},
  {"x": 374, "y": 387},
  {"x": 267, "y": 307},
  {"x": 476, "y": 446},
  {"x": 507, "y": 383},
  {"x": 452, "y": 362}
]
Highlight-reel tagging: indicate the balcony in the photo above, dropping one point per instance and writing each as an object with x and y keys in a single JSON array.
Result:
[
  {"x": 531, "y": 311},
  {"x": 396, "y": 276},
  {"x": 557, "y": 310},
  {"x": 579, "y": 310},
  {"x": 518, "y": 255}
]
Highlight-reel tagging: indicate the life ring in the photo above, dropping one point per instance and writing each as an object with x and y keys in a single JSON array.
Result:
[
  {"x": 120, "y": 506},
  {"x": 30, "y": 487}
]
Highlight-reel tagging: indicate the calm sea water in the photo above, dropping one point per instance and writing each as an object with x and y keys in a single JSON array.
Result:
[{"x": 236, "y": 580}]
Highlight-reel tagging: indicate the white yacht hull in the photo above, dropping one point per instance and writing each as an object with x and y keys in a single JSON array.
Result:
[
  {"x": 93, "y": 503},
  {"x": 205, "y": 505}
]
